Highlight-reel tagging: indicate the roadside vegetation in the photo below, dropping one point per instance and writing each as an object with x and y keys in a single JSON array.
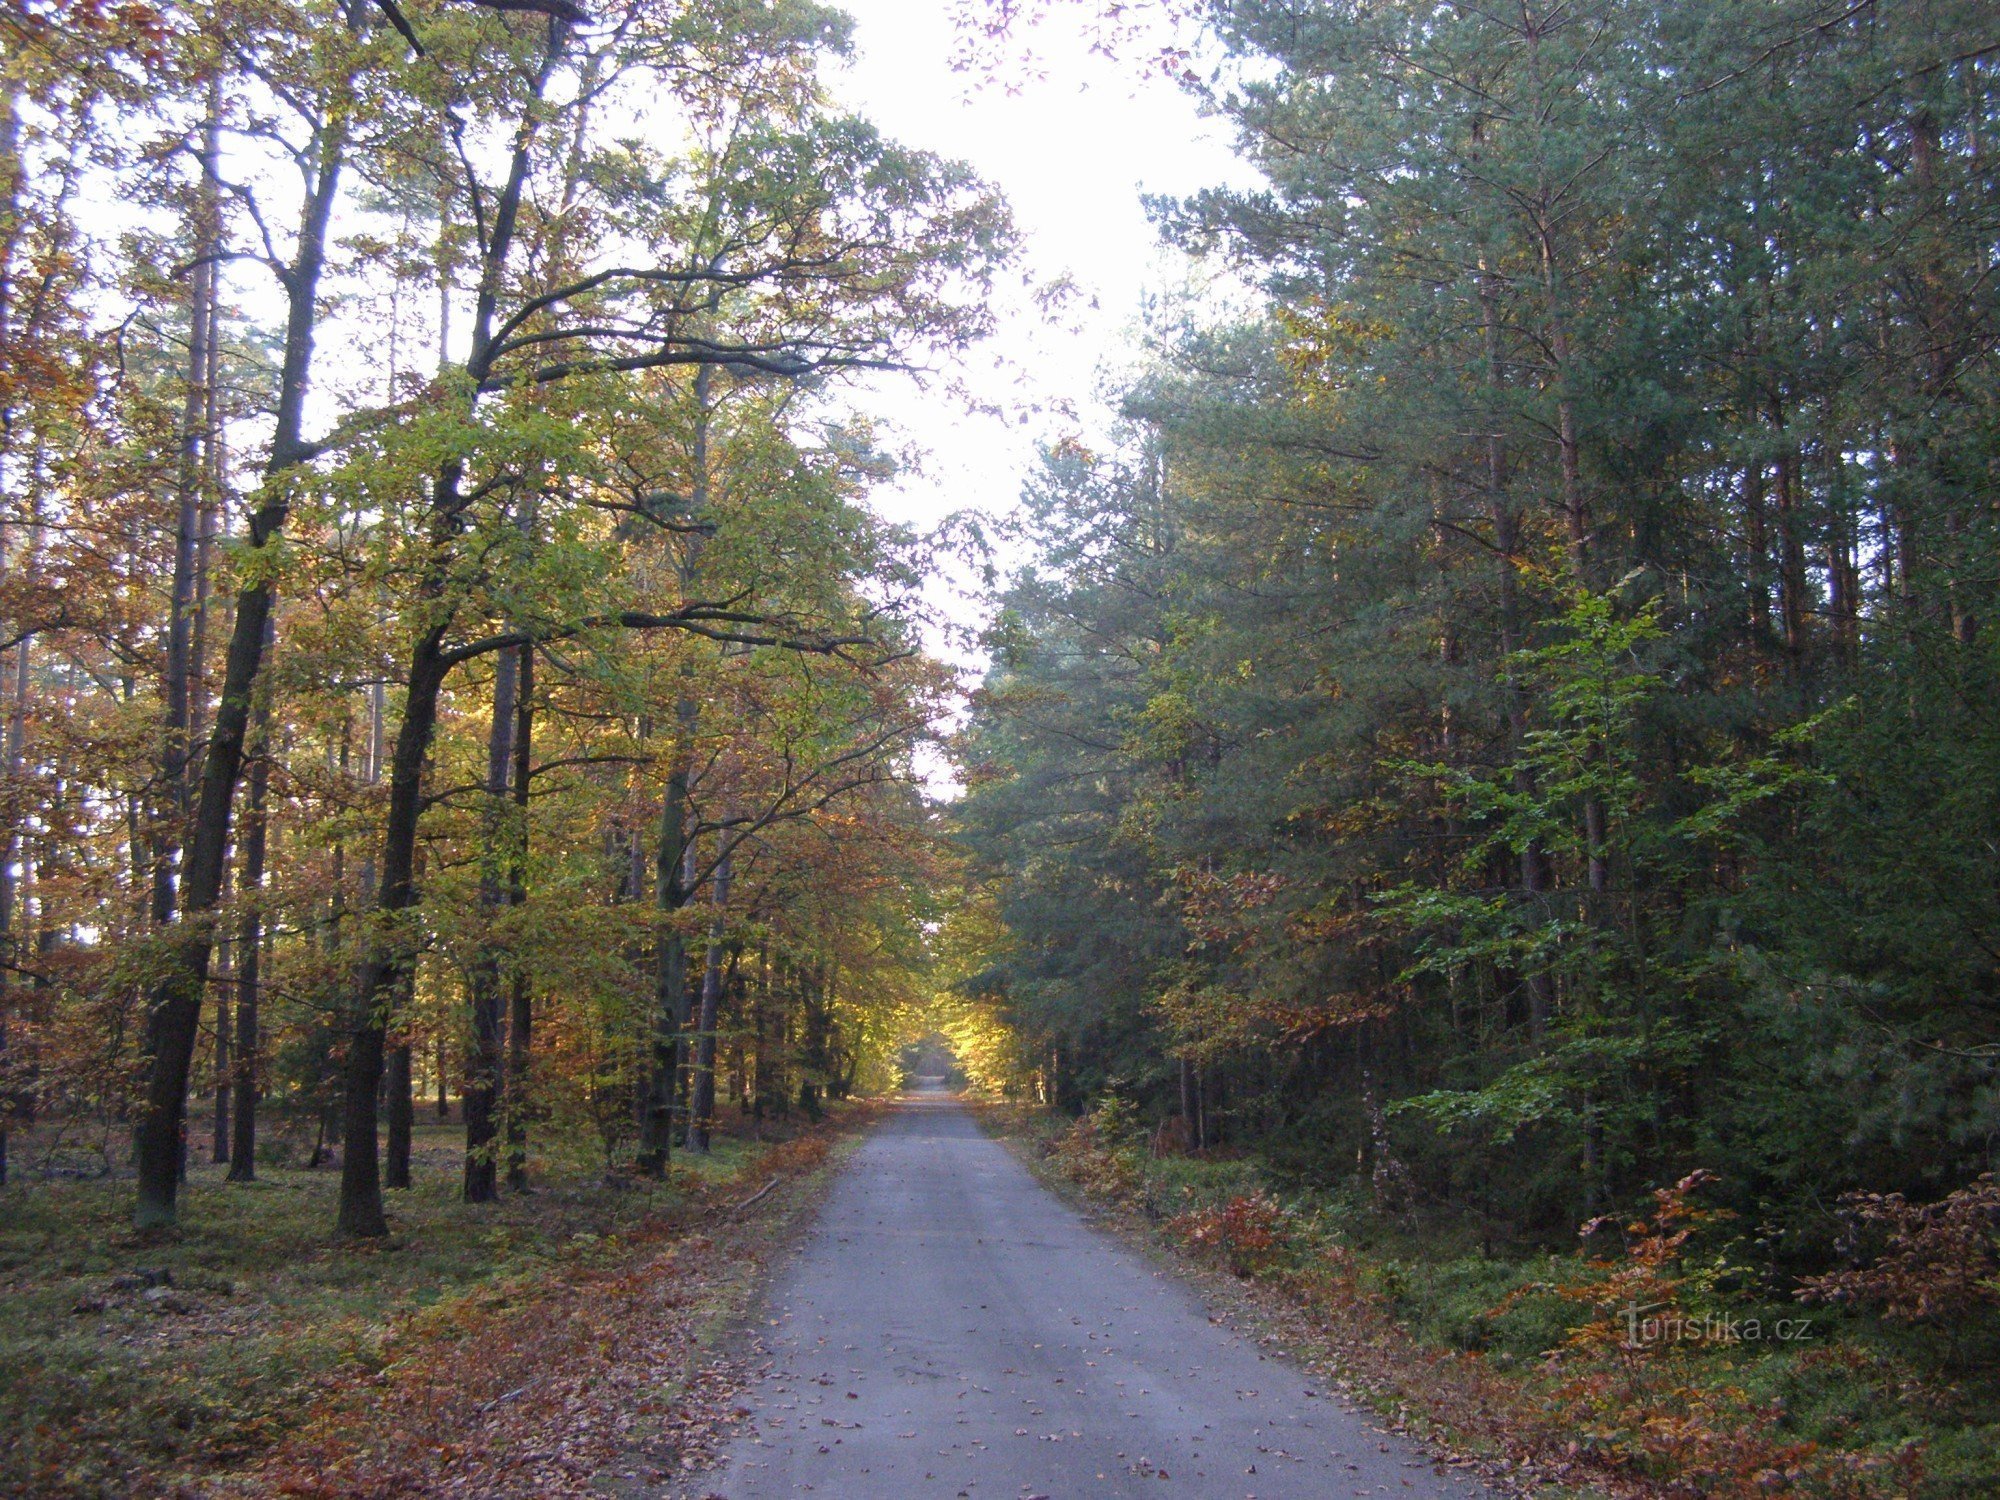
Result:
[
  {"x": 1650, "y": 1358},
  {"x": 1504, "y": 737},
  {"x": 525, "y": 1348}
]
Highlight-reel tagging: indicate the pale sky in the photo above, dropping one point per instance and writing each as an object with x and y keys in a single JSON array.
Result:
[{"x": 1072, "y": 151}]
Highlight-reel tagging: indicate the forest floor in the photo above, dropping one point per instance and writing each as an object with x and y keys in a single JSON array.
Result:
[
  {"x": 1506, "y": 1363},
  {"x": 558, "y": 1343}
]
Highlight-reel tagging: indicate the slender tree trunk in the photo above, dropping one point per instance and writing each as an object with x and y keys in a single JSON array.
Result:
[
  {"x": 670, "y": 894},
  {"x": 224, "y": 1063},
  {"x": 208, "y": 507},
  {"x": 760, "y": 1022},
  {"x": 814, "y": 989},
  {"x": 11, "y": 849},
  {"x": 521, "y": 1017},
  {"x": 215, "y": 475},
  {"x": 1577, "y": 520},
  {"x": 1190, "y": 1110},
  {"x": 390, "y": 948},
  {"x": 399, "y": 1112},
  {"x": 174, "y": 1013},
  {"x": 380, "y": 975},
  {"x": 1942, "y": 335},
  {"x": 482, "y": 1058},
  {"x": 399, "y": 1106},
  {"x": 170, "y": 819},
  {"x": 1791, "y": 546},
  {"x": 673, "y": 884},
  {"x": 701, "y": 1101},
  {"x": 1756, "y": 549},
  {"x": 249, "y": 955},
  {"x": 1533, "y": 862}
]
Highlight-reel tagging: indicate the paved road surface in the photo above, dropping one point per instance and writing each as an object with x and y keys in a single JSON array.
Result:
[{"x": 952, "y": 1329}]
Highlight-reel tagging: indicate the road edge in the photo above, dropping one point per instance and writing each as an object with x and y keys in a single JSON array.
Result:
[{"x": 1280, "y": 1327}]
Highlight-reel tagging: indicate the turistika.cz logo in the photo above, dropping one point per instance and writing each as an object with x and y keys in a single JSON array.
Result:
[{"x": 1645, "y": 1326}]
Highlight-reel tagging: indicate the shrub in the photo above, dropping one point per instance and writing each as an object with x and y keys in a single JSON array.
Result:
[
  {"x": 1941, "y": 1260},
  {"x": 1085, "y": 1157},
  {"x": 1249, "y": 1234}
]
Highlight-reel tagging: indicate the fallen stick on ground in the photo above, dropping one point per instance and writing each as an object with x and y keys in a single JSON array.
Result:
[{"x": 754, "y": 1197}]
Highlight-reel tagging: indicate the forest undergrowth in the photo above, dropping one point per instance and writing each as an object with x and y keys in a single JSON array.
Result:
[
  {"x": 1530, "y": 1367},
  {"x": 528, "y": 1347}
]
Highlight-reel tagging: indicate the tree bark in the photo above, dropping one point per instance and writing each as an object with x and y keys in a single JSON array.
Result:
[
  {"x": 673, "y": 882},
  {"x": 170, "y": 820},
  {"x": 380, "y": 974},
  {"x": 1533, "y": 861}
]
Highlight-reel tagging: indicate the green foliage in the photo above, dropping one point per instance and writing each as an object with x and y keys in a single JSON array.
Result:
[{"x": 1510, "y": 720}]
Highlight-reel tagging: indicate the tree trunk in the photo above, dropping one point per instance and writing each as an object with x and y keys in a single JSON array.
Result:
[
  {"x": 1533, "y": 862},
  {"x": 1791, "y": 546},
  {"x": 673, "y": 884},
  {"x": 390, "y": 952},
  {"x": 521, "y": 1011},
  {"x": 701, "y": 1101},
  {"x": 170, "y": 819},
  {"x": 399, "y": 1109},
  {"x": 813, "y": 1058},
  {"x": 10, "y": 854},
  {"x": 243, "y": 1070},
  {"x": 1190, "y": 1109},
  {"x": 1756, "y": 551},
  {"x": 174, "y": 1011},
  {"x": 224, "y": 1067},
  {"x": 671, "y": 890},
  {"x": 249, "y": 954},
  {"x": 482, "y": 1058}
]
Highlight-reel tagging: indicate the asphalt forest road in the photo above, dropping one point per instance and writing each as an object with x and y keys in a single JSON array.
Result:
[{"x": 950, "y": 1328}]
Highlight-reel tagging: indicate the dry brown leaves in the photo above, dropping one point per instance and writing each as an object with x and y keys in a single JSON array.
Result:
[{"x": 559, "y": 1385}]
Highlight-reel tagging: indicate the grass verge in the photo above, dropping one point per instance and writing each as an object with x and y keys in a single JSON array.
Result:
[{"x": 554, "y": 1343}]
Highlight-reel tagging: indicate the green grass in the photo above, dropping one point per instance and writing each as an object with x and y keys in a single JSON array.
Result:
[{"x": 106, "y": 1391}]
